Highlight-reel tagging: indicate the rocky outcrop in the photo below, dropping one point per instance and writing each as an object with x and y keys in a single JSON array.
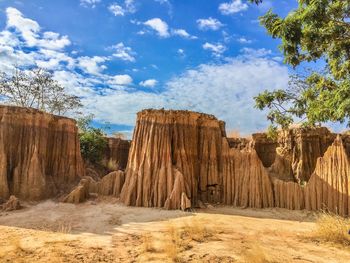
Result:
[
  {"x": 329, "y": 185},
  {"x": 176, "y": 152},
  {"x": 296, "y": 152},
  {"x": 109, "y": 185},
  {"x": 179, "y": 157},
  {"x": 117, "y": 153},
  {"x": 12, "y": 204},
  {"x": 80, "y": 193},
  {"x": 39, "y": 153}
]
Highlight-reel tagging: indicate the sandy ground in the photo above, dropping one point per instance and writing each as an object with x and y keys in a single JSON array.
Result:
[{"x": 106, "y": 231}]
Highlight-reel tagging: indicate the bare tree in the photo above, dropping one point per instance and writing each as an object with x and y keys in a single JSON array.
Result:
[{"x": 36, "y": 88}]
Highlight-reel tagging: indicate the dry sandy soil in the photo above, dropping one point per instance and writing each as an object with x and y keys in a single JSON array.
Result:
[{"x": 106, "y": 231}]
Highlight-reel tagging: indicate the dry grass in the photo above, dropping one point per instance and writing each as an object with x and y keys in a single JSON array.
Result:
[
  {"x": 147, "y": 243},
  {"x": 179, "y": 238},
  {"x": 197, "y": 231},
  {"x": 333, "y": 228},
  {"x": 256, "y": 254}
]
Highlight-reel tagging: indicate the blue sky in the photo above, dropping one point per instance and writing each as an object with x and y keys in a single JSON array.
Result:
[{"x": 126, "y": 55}]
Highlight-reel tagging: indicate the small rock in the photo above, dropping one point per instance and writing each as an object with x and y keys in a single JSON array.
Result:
[{"x": 12, "y": 204}]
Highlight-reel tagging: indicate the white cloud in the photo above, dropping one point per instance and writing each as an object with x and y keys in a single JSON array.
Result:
[
  {"x": 216, "y": 49},
  {"x": 235, "y": 6},
  {"x": 124, "y": 53},
  {"x": 181, "y": 52},
  {"x": 91, "y": 65},
  {"x": 130, "y": 6},
  {"x": 116, "y": 10},
  {"x": 244, "y": 40},
  {"x": 30, "y": 31},
  {"x": 89, "y": 3},
  {"x": 209, "y": 23},
  {"x": 251, "y": 52},
  {"x": 225, "y": 90},
  {"x": 183, "y": 33},
  {"x": 120, "y": 80},
  {"x": 159, "y": 26},
  {"x": 150, "y": 83}
]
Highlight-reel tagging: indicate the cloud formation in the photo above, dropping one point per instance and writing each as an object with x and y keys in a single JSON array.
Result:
[
  {"x": 209, "y": 24},
  {"x": 149, "y": 83},
  {"x": 89, "y": 3},
  {"x": 159, "y": 26},
  {"x": 225, "y": 89},
  {"x": 235, "y": 6},
  {"x": 216, "y": 49},
  {"x": 123, "y": 52}
]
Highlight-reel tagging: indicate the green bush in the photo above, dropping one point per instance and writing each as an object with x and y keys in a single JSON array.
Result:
[{"x": 93, "y": 142}]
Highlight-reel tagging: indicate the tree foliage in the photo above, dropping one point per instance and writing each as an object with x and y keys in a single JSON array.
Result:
[
  {"x": 317, "y": 30},
  {"x": 37, "y": 89},
  {"x": 93, "y": 142}
]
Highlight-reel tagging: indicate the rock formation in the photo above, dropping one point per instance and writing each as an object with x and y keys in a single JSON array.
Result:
[
  {"x": 39, "y": 153},
  {"x": 109, "y": 185},
  {"x": 179, "y": 157},
  {"x": 12, "y": 204},
  {"x": 80, "y": 193},
  {"x": 169, "y": 150},
  {"x": 116, "y": 154}
]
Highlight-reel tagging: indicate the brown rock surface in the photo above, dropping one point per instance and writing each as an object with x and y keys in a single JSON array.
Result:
[
  {"x": 116, "y": 154},
  {"x": 175, "y": 152},
  {"x": 39, "y": 153},
  {"x": 80, "y": 193},
  {"x": 111, "y": 184},
  {"x": 167, "y": 144},
  {"x": 297, "y": 152},
  {"x": 178, "y": 154},
  {"x": 12, "y": 204},
  {"x": 329, "y": 185}
]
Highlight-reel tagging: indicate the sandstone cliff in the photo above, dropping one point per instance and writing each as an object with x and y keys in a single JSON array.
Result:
[
  {"x": 180, "y": 155},
  {"x": 39, "y": 153},
  {"x": 173, "y": 152},
  {"x": 117, "y": 153}
]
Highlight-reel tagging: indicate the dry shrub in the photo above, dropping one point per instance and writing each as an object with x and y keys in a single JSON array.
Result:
[
  {"x": 147, "y": 243},
  {"x": 333, "y": 228},
  {"x": 255, "y": 254},
  {"x": 112, "y": 166},
  {"x": 180, "y": 237},
  {"x": 64, "y": 227},
  {"x": 197, "y": 231}
]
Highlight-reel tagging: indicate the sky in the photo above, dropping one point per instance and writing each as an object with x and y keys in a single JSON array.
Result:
[{"x": 123, "y": 56}]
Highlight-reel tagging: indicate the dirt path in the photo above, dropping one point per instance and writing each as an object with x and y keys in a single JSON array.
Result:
[{"x": 110, "y": 232}]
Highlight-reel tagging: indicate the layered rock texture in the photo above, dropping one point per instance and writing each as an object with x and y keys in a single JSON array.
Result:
[
  {"x": 109, "y": 185},
  {"x": 117, "y": 154},
  {"x": 179, "y": 158},
  {"x": 39, "y": 153}
]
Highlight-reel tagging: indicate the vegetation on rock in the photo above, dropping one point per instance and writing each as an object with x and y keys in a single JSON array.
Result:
[
  {"x": 314, "y": 31},
  {"x": 93, "y": 142},
  {"x": 36, "y": 88}
]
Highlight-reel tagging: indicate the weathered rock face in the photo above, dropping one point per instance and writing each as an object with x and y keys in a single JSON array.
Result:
[
  {"x": 116, "y": 154},
  {"x": 173, "y": 152},
  {"x": 12, "y": 204},
  {"x": 293, "y": 157},
  {"x": 39, "y": 153},
  {"x": 180, "y": 157},
  {"x": 176, "y": 152},
  {"x": 109, "y": 185}
]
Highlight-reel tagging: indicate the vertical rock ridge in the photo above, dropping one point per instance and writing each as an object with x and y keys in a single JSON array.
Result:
[
  {"x": 180, "y": 155},
  {"x": 40, "y": 153}
]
